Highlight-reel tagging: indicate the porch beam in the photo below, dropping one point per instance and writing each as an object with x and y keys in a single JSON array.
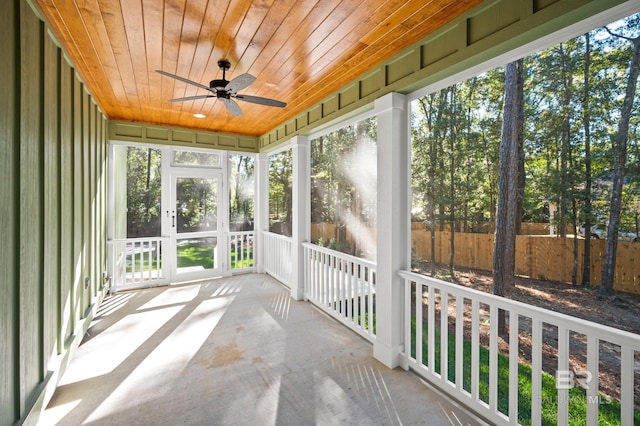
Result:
[{"x": 392, "y": 226}]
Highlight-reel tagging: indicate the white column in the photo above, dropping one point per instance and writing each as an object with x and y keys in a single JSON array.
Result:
[
  {"x": 301, "y": 217},
  {"x": 261, "y": 208},
  {"x": 392, "y": 226}
]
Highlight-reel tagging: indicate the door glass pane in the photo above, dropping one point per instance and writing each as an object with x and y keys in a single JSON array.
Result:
[
  {"x": 196, "y": 254},
  {"x": 196, "y": 204}
]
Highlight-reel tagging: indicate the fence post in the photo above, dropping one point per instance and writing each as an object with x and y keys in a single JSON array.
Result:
[{"x": 392, "y": 246}]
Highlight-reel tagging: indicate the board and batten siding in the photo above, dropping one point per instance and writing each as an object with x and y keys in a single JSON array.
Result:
[{"x": 53, "y": 211}]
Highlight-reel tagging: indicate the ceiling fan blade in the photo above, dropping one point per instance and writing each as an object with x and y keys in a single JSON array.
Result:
[
  {"x": 232, "y": 106},
  {"x": 240, "y": 82},
  {"x": 261, "y": 101},
  {"x": 185, "y": 80},
  {"x": 191, "y": 98}
]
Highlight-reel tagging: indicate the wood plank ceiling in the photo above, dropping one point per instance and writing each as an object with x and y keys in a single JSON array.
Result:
[{"x": 300, "y": 51}]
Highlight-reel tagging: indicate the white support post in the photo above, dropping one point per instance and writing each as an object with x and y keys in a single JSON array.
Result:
[
  {"x": 301, "y": 217},
  {"x": 262, "y": 209},
  {"x": 392, "y": 253}
]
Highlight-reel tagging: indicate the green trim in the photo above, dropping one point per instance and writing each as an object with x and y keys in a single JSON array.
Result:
[
  {"x": 491, "y": 29},
  {"x": 163, "y": 135}
]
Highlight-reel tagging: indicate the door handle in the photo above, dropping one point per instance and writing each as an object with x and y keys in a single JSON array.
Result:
[{"x": 173, "y": 220}]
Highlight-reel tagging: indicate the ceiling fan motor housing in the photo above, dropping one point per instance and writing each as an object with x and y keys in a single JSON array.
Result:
[{"x": 218, "y": 84}]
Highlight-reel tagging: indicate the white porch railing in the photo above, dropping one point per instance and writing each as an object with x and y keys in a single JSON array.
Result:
[
  {"x": 241, "y": 251},
  {"x": 137, "y": 262},
  {"x": 456, "y": 347},
  {"x": 277, "y": 256},
  {"x": 343, "y": 286}
]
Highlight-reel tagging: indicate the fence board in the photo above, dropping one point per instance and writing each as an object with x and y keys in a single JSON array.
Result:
[{"x": 538, "y": 257}]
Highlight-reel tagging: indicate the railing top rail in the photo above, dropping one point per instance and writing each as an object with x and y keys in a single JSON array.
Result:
[
  {"x": 603, "y": 332},
  {"x": 344, "y": 256},
  {"x": 138, "y": 239},
  {"x": 278, "y": 236},
  {"x": 241, "y": 232}
]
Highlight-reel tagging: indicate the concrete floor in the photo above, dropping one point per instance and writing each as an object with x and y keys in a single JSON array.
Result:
[{"x": 234, "y": 351}]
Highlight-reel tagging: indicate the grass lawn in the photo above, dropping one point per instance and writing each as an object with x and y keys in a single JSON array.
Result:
[
  {"x": 609, "y": 410},
  {"x": 195, "y": 254},
  {"x": 244, "y": 261}
]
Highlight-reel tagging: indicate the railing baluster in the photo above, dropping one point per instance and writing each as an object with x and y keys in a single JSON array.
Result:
[
  {"x": 431, "y": 337},
  {"x": 493, "y": 358},
  {"x": 627, "y": 375},
  {"x": 475, "y": 349},
  {"x": 593, "y": 355},
  {"x": 513, "y": 366},
  {"x": 419, "y": 325},
  {"x": 563, "y": 368},
  {"x": 536, "y": 371},
  {"x": 459, "y": 341},
  {"x": 444, "y": 335}
]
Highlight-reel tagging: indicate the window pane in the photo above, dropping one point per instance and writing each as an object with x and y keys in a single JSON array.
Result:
[
  {"x": 193, "y": 158},
  {"x": 241, "y": 192},
  {"x": 143, "y": 192},
  {"x": 280, "y": 183},
  {"x": 343, "y": 189}
]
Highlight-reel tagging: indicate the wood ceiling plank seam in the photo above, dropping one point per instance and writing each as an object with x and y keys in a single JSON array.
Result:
[
  {"x": 358, "y": 59},
  {"x": 393, "y": 19},
  {"x": 292, "y": 19},
  {"x": 253, "y": 21},
  {"x": 105, "y": 57},
  {"x": 134, "y": 30},
  {"x": 232, "y": 23},
  {"x": 57, "y": 22},
  {"x": 211, "y": 24},
  {"x": 189, "y": 38},
  {"x": 339, "y": 36},
  {"x": 153, "y": 21},
  {"x": 367, "y": 61},
  {"x": 172, "y": 32},
  {"x": 328, "y": 27},
  {"x": 111, "y": 14},
  {"x": 265, "y": 34},
  {"x": 300, "y": 41}
]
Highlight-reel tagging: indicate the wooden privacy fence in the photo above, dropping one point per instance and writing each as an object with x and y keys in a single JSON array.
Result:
[{"x": 538, "y": 257}]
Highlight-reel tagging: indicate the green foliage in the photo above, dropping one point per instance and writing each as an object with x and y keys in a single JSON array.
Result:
[
  {"x": 456, "y": 135},
  {"x": 280, "y": 192},
  {"x": 143, "y": 192}
]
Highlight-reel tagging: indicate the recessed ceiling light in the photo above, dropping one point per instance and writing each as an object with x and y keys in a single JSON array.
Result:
[{"x": 199, "y": 115}]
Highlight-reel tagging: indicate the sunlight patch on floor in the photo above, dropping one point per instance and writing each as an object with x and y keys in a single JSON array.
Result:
[{"x": 153, "y": 375}]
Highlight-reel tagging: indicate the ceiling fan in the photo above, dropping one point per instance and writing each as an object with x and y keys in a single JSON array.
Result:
[{"x": 226, "y": 90}]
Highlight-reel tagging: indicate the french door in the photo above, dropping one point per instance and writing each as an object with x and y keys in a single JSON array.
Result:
[{"x": 195, "y": 224}]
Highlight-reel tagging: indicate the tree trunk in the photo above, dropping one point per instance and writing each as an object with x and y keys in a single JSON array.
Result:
[
  {"x": 606, "y": 286},
  {"x": 505, "y": 236},
  {"x": 521, "y": 156},
  {"x": 586, "y": 261}
]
